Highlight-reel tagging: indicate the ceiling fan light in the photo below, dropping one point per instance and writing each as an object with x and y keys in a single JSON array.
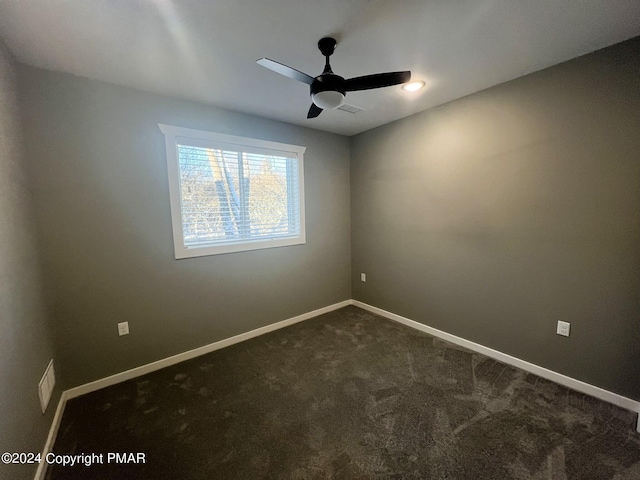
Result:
[{"x": 328, "y": 100}]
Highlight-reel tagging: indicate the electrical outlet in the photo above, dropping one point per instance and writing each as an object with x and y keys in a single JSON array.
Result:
[
  {"x": 363, "y": 277},
  {"x": 563, "y": 329},
  {"x": 123, "y": 328}
]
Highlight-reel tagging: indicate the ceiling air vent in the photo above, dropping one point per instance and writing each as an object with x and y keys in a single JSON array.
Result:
[{"x": 350, "y": 108}]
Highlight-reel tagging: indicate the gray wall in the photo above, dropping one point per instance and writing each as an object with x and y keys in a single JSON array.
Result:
[
  {"x": 25, "y": 346},
  {"x": 495, "y": 216},
  {"x": 98, "y": 169}
]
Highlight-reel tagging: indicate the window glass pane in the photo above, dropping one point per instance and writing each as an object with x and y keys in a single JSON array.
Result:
[
  {"x": 268, "y": 198},
  {"x": 231, "y": 196}
]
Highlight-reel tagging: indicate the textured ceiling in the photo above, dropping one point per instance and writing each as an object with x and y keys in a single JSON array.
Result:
[{"x": 206, "y": 50}]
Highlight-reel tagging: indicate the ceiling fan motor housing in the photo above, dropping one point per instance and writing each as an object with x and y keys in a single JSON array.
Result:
[{"x": 328, "y": 91}]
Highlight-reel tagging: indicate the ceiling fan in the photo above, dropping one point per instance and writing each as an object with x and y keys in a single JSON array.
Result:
[{"x": 328, "y": 89}]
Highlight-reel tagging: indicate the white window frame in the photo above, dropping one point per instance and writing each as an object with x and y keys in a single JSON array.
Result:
[{"x": 212, "y": 139}]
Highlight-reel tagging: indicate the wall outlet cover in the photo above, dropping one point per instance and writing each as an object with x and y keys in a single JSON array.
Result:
[
  {"x": 564, "y": 328},
  {"x": 123, "y": 328}
]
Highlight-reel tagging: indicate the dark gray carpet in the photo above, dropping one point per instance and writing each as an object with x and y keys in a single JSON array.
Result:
[{"x": 347, "y": 395}]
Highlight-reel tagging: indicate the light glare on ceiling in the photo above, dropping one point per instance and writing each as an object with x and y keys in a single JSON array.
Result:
[{"x": 413, "y": 86}]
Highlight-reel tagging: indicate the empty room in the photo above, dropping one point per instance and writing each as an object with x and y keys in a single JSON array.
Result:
[{"x": 359, "y": 239}]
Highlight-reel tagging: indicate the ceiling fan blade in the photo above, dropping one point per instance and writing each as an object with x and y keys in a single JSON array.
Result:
[
  {"x": 377, "y": 80},
  {"x": 314, "y": 111},
  {"x": 284, "y": 70}
]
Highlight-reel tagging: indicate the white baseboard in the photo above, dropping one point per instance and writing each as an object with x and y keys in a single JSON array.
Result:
[
  {"x": 53, "y": 432},
  {"x": 196, "y": 352},
  {"x": 556, "y": 377}
]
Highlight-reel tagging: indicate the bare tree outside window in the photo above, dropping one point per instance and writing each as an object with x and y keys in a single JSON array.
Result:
[{"x": 232, "y": 194}]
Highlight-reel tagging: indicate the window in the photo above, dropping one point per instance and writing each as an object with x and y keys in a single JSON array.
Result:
[{"x": 230, "y": 194}]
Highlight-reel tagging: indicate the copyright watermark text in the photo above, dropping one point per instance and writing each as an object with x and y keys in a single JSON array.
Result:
[{"x": 86, "y": 459}]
